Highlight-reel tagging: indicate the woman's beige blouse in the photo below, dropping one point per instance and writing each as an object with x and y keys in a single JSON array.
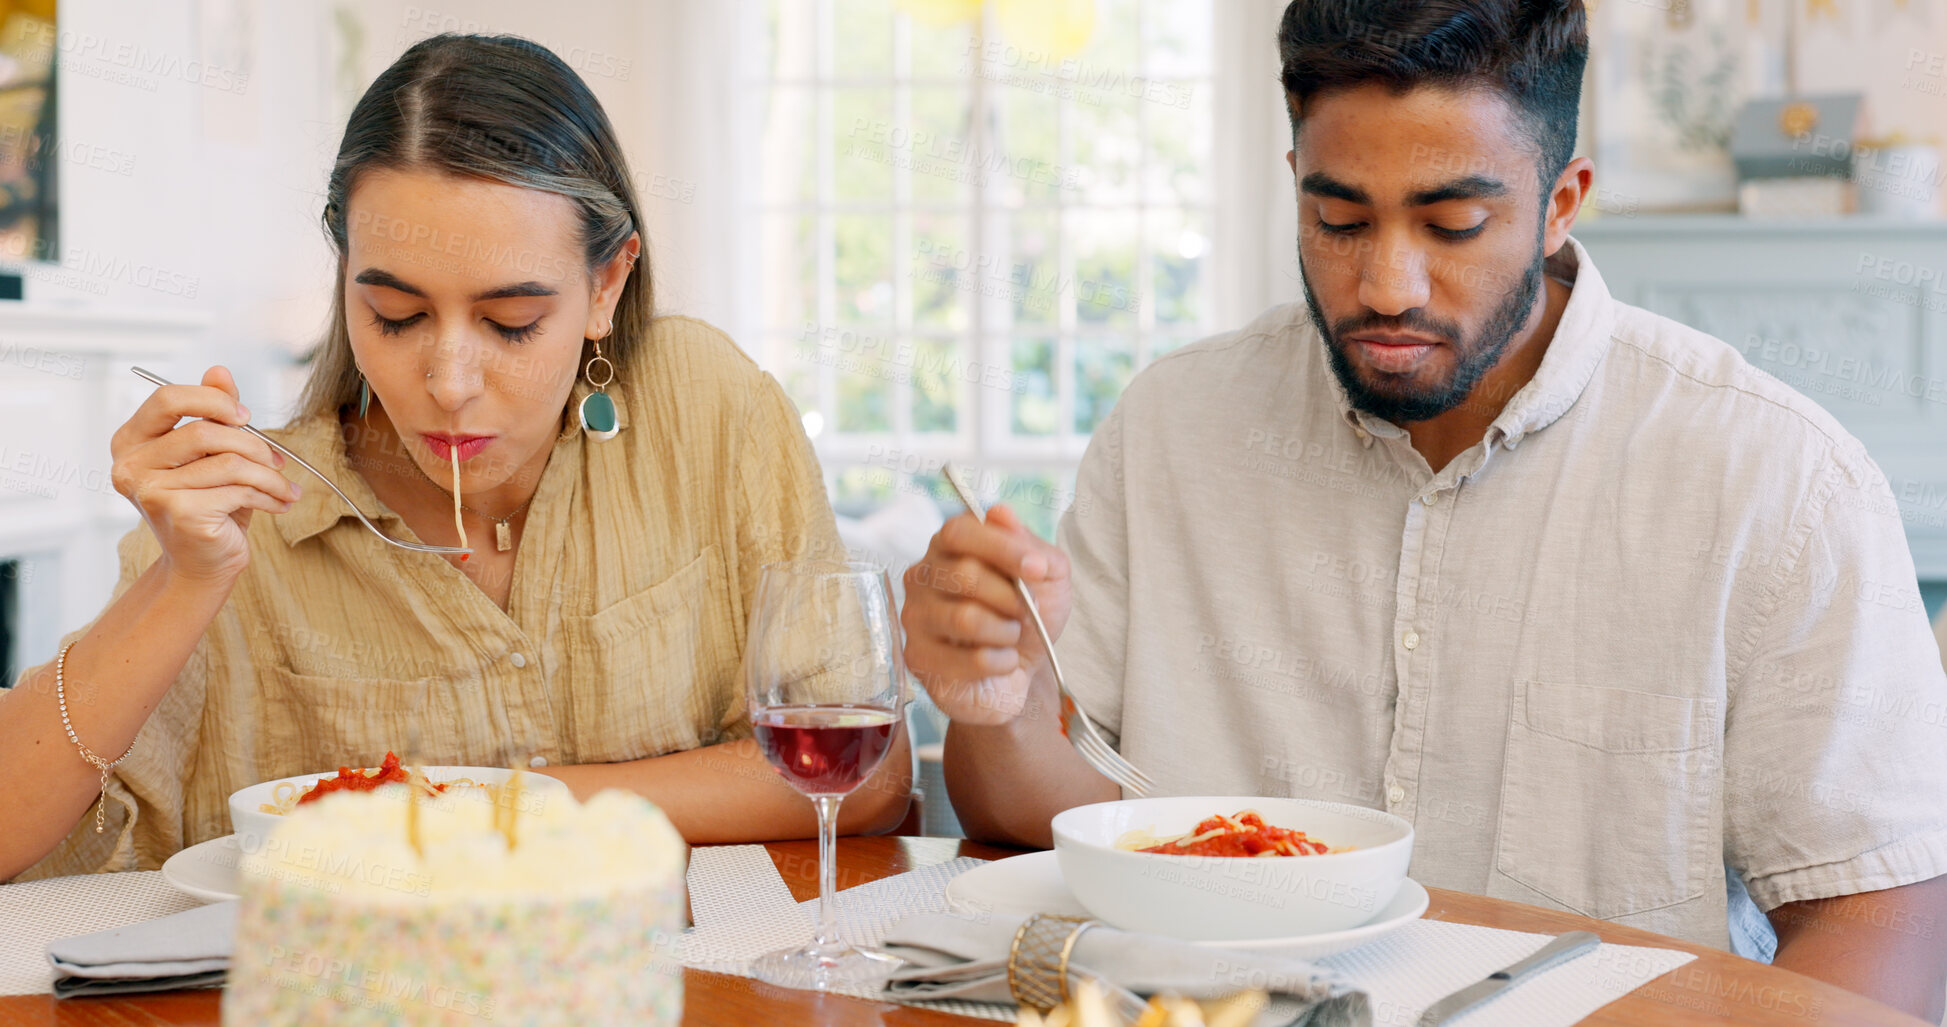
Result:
[{"x": 621, "y": 638}]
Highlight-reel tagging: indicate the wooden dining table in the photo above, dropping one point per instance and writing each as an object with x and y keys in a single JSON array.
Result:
[{"x": 1715, "y": 988}]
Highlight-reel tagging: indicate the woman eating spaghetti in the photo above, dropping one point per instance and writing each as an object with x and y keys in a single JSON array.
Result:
[{"x": 491, "y": 376}]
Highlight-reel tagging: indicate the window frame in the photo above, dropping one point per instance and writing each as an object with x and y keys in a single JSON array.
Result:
[{"x": 983, "y": 434}]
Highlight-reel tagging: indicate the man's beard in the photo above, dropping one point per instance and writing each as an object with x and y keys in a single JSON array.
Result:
[{"x": 1474, "y": 357}]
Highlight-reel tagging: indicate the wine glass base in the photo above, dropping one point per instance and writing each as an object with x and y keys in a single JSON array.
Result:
[{"x": 823, "y": 967}]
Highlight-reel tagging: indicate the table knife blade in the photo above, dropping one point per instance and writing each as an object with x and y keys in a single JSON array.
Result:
[{"x": 1563, "y": 948}]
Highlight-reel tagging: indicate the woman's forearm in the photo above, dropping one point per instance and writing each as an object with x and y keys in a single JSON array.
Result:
[
  {"x": 117, "y": 673},
  {"x": 730, "y": 793}
]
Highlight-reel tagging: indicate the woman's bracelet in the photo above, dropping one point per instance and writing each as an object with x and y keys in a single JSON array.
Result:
[{"x": 61, "y": 696}]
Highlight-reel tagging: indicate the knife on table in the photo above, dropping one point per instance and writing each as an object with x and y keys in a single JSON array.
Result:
[{"x": 1563, "y": 948}]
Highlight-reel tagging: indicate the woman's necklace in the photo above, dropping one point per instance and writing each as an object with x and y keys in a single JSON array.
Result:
[{"x": 503, "y": 533}]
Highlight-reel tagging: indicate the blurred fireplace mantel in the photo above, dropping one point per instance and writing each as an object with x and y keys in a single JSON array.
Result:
[
  {"x": 64, "y": 389},
  {"x": 1852, "y": 312}
]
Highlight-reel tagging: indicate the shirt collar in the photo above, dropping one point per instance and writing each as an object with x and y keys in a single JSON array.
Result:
[
  {"x": 1581, "y": 341},
  {"x": 320, "y": 440}
]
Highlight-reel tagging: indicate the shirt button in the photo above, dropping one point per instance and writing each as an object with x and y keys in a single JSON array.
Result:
[
  {"x": 1395, "y": 795},
  {"x": 517, "y": 660},
  {"x": 1411, "y": 640},
  {"x": 1429, "y": 498},
  {"x": 538, "y": 761}
]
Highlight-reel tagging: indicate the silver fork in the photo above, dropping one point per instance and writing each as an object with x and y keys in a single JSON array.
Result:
[
  {"x": 1075, "y": 725},
  {"x": 417, "y": 547}
]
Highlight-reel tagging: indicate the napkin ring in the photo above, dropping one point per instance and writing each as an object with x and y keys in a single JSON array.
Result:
[{"x": 1037, "y": 961}]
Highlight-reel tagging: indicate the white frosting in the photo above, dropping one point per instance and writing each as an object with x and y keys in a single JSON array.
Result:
[{"x": 353, "y": 846}]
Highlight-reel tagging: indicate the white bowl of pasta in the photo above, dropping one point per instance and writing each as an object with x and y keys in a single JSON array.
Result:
[
  {"x": 255, "y": 811},
  {"x": 1312, "y": 866}
]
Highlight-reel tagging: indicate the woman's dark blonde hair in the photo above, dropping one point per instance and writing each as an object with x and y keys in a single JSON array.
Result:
[{"x": 494, "y": 107}]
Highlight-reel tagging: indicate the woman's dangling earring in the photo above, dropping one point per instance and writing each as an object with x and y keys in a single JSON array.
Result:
[
  {"x": 364, "y": 395},
  {"x": 598, "y": 418}
]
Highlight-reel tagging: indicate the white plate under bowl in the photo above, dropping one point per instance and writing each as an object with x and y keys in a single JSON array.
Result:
[
  {"x": 1028, "y": 884},
  {"x": 206, "y": 871}
]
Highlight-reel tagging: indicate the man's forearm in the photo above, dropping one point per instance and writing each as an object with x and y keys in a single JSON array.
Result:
[
  {"x": 1882, "y": 944},
  {"x": 1007, "y": 781}
]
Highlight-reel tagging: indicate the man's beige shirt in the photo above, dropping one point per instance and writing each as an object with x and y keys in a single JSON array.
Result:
[
  {"x": 621, "y": 638},
  {"x": 1661, "y": 621}
]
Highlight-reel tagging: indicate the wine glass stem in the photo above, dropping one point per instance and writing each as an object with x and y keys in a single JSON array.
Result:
[{"x": 827, "y": 866}]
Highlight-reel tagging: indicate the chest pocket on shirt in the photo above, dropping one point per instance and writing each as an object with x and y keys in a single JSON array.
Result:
[
  {"x": 1609, "y": 798},
  {"x": 662, "y": 670}
]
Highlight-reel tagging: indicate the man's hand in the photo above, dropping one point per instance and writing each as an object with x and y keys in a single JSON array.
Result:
[
  {"x": 968, "y": 637},
  {"x": 1886, "y": 945}
]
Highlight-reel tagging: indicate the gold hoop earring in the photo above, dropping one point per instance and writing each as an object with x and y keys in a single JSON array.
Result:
[{"x": 597, "y": 412}]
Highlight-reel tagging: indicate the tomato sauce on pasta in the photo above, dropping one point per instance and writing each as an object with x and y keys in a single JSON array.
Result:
[
  {"x": 351, "y": 780},
  {"x": 1245, "y": 834}
]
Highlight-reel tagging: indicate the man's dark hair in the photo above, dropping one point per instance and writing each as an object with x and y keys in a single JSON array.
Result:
[{"x": 1532, "y": 51}]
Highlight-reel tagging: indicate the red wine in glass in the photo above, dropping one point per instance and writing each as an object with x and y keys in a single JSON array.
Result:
[{"x": 825, "y": 750}]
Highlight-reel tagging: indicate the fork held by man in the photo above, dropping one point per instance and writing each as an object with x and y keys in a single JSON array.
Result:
[
  {"x": 971, "y": 642},
  {"x": 1075, "y": 725}
]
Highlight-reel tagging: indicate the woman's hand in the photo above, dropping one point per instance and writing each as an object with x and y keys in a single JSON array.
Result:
[
  {"x": 196, "y": 483},
  {"x": 967, "y": 633}
]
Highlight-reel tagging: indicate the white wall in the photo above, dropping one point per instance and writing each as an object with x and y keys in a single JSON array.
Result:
[
  {"x": 1258, "y": 238},
  {"x": 1894, "y": 52},
  {"x": 210, "y": 113},
  {"x": 193, "y": 139}
]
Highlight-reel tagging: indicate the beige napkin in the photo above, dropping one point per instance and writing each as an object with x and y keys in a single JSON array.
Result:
[{"x": 960, "y": 957}]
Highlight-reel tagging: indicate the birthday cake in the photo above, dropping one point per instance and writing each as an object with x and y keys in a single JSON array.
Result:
[{"x": 370, "y": 908}]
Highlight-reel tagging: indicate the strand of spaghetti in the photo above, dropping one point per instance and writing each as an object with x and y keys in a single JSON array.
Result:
[
  {"x": 453, "y": 451},
  {"x": 513, "y": 797},
  {"x": 414, "y": 782},
  {"x": 499, "y": 812},
  {"x": 283, "y": 799}
]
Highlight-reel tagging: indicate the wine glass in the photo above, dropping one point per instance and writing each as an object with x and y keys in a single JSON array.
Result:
[{"x": 827, "y": 692}]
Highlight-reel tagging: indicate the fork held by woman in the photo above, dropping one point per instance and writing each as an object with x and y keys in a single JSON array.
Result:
[{"x": 280, "y": 454}]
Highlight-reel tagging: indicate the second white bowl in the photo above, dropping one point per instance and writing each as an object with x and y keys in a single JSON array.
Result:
[{"x": 1214, "y": 897}]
